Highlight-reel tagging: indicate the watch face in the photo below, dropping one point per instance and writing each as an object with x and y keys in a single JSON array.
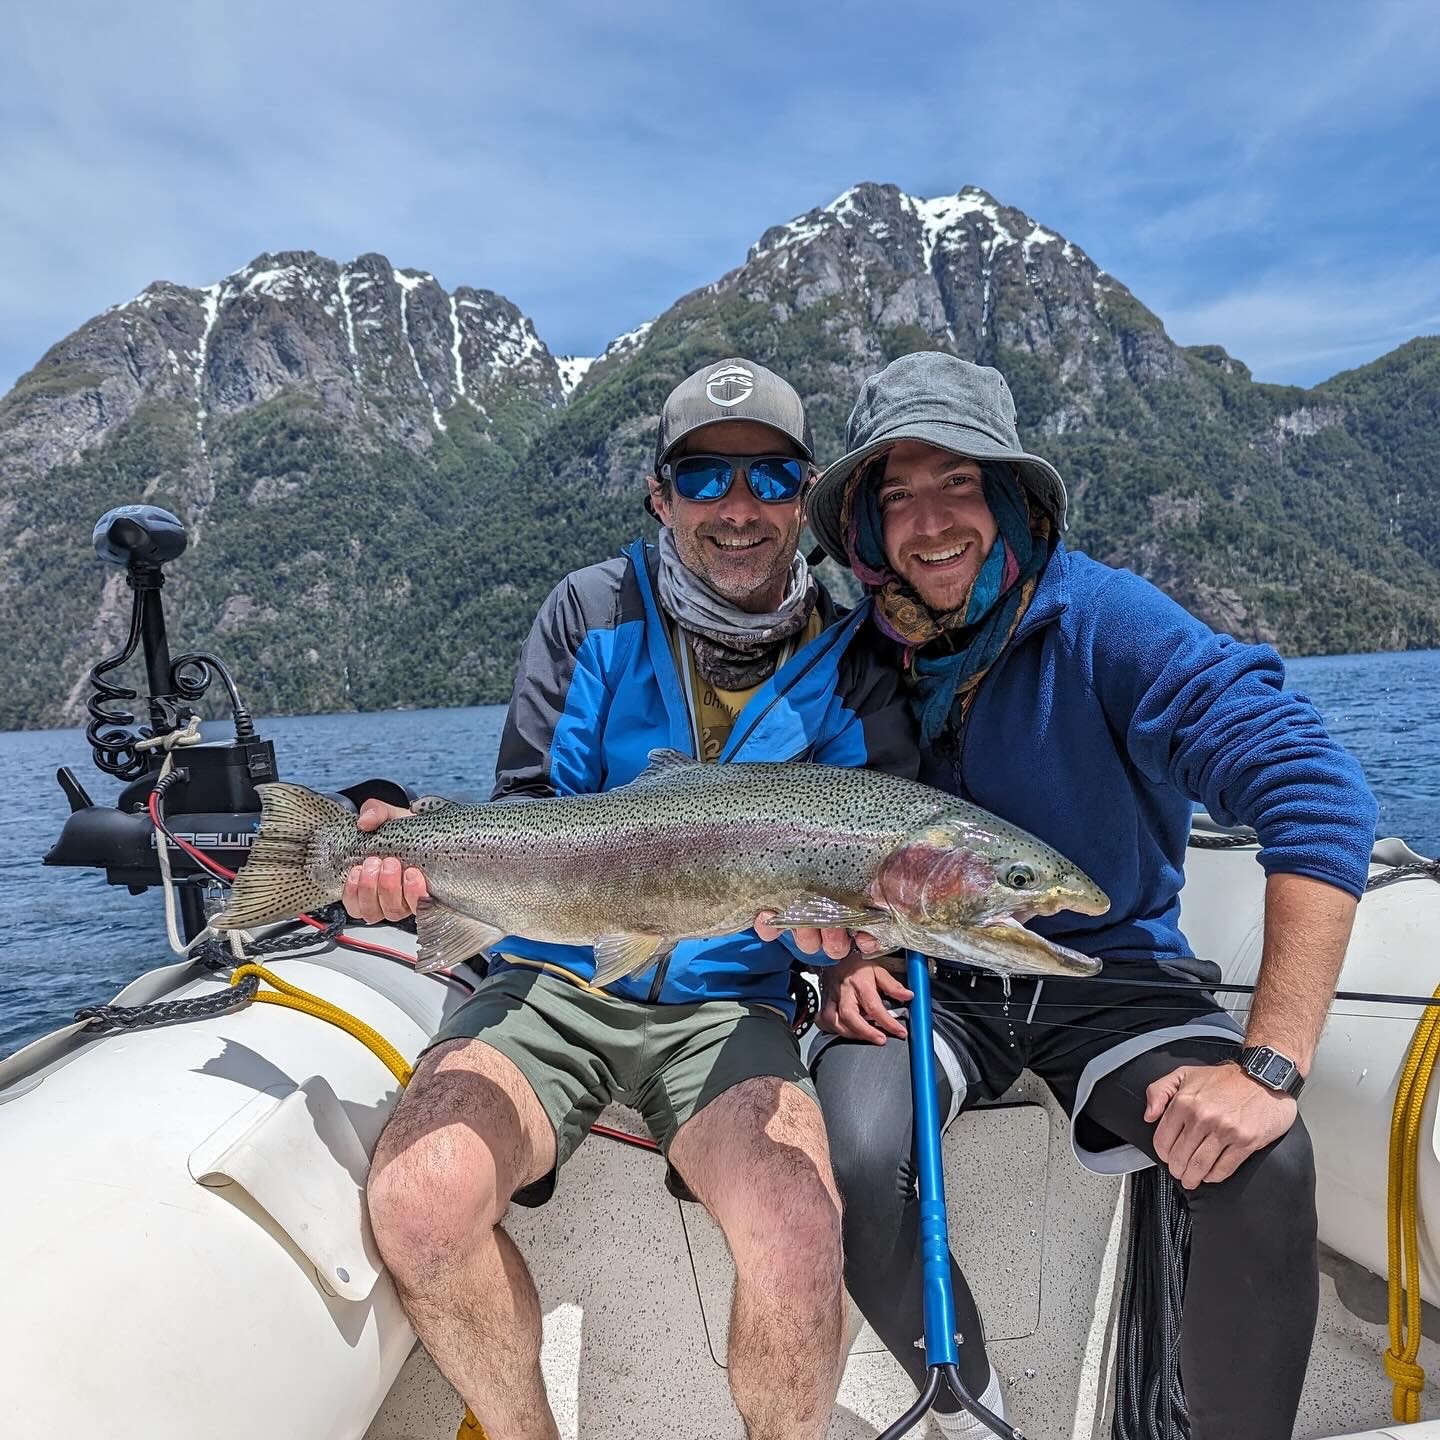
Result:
[{"x": 1277, "y": 1070}]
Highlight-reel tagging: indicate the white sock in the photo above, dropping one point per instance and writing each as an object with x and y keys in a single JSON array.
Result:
[{"x": 961, "y": 1425}]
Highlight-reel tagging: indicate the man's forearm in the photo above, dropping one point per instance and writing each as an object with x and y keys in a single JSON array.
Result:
[{"x": 1307, "y": 929}]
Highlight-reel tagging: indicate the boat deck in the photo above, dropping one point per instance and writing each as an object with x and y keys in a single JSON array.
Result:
[{"x": 635, "y": 1288}]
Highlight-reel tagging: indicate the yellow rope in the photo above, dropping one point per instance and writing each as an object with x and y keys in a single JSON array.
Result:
[
  {"x": 1402, "y": 1219},
  {"x": 293, "y": 998}
]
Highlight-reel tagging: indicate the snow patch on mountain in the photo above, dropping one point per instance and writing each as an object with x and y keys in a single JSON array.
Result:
[
  {"x": 342, "y": 284},
  {"x": 573, "y": 369},
  {"x": 407, "y": 283},
  {"x": 211, "y": 304},
  {"x": 630, "y": 340},
  {"x": 455, "y": 348},
  {"x": 510, "y": 341}
]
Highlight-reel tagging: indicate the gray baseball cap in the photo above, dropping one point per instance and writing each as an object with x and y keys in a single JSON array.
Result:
[
  {"x": 940, "y": 400},
  {"x": 732, "y": 390}
]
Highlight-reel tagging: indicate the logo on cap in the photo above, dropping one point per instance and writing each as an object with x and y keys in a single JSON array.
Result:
[{"x": 730, "y": 384}]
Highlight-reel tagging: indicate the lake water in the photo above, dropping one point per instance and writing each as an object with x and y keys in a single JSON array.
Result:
[{"x": 70, "y": 940}]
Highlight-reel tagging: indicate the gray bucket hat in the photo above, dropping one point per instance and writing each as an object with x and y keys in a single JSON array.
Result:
[{"x": 941, "y": 400}]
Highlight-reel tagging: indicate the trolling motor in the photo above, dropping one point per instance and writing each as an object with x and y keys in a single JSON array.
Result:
[
  {"x": 213, "y": 803},
  {"x": 211, "y": 797}
]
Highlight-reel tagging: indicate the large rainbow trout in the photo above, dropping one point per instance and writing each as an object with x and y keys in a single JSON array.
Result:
[{"x": 688, "y": 850}]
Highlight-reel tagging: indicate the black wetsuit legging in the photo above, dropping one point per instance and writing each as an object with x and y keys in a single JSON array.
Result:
[{"x": 1253, "y": 1289}]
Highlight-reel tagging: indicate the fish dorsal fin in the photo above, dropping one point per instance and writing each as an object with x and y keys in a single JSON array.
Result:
[
  {"x": 623, "y": 954},
  {"x": 447, "y": 937},
  {"x": 663, "y": 764},
  {"x": 426, "y": 804},
  {"x": 665, "y": 759}
]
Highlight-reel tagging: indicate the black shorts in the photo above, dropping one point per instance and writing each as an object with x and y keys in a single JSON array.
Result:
[{"x": 1071, "y": 1033}]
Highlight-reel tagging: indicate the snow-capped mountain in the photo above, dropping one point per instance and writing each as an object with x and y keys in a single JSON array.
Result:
[{"x": 382, "y": 478}]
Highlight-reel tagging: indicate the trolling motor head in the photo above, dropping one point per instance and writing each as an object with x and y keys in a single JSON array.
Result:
[{"x": 139, "y": 536}]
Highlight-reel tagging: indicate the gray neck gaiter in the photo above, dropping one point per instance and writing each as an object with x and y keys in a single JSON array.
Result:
[{"x": 734, "y": 649}]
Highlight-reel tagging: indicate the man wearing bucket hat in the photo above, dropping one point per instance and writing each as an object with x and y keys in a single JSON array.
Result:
[
  {"x": 716, "y": 642},
  {"x": 1079, "y": 702}
]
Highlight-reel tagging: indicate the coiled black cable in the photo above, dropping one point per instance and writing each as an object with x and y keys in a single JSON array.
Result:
[
  {"x": 1149, "y": 1390},
  {"x": 108, "y": 733}
]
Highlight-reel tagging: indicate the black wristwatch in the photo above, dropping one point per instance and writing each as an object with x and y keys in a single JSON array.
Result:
[{"x": 1272, "y": 1069}]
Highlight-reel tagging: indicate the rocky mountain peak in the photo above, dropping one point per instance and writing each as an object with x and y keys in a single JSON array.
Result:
[
  {"x": 878, "y": 272},
  {"x": 365, "y": 340}
]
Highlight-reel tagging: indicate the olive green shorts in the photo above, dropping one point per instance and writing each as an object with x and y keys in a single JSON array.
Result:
[{"x": 583, "y": 1049}]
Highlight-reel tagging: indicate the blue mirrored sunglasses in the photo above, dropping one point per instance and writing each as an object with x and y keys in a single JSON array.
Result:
[{"x": 773, "y": 479}]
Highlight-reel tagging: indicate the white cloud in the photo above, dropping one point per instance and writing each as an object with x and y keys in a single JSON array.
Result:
[
  {"x": 593, "y": 162},
  {"x": 1295, "y": 329}
]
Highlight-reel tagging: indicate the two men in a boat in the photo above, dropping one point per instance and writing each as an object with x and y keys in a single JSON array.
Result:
[{"x": 1066, "y": 696}]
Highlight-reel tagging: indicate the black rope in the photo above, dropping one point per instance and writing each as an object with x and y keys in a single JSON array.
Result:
[
  {"x": 212, "y": 955},
  {"x": 1403, "y": 872},
  {"x": 110, "y": 1019},
  {"x": 215, "y": 954},
  {"x": 1243, "y": 837},
  {"x": 1238, "y": 840},
  {"x": 1149, "y": 1392}
]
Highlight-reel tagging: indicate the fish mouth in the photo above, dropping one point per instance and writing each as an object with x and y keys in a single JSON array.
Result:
[
  {"x": 1009, "y": 947},
  {"x": 1080, "y": 902},
  {"x": 1084, "y": 902}
]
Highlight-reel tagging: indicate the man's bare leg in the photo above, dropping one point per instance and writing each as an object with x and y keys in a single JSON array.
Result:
[
  {"x": 468, "y": 1132},
  {"x": 758, "y": 1160}
]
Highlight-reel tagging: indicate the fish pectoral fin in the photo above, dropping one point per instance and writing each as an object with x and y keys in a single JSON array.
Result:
[
  {"x": 447, "y": 937},
  {"x": 822, "y": 911},
  {"x": 625, "y": 953}
]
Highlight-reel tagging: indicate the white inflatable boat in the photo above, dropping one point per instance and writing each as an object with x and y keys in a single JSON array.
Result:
[
  {"x": 185, "y": 1253},
  {"x": 183, "y": 1247}
]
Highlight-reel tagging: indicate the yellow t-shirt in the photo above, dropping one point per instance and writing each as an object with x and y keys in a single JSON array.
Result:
[{"x": 716, "y": 709}]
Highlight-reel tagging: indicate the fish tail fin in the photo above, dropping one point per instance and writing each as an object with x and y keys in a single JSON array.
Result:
[{"x": 278, "y": 880}]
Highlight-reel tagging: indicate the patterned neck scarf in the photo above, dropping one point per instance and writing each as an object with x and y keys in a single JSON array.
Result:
[{"x": 946, "y": 654}]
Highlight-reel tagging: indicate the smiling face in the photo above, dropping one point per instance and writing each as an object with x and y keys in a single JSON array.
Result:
[
  {"x": 937, "y": 528},
  {"x": 740, "y": 546}
]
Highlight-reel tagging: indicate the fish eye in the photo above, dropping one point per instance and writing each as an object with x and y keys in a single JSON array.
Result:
[{"x": 1019, "y": 877}]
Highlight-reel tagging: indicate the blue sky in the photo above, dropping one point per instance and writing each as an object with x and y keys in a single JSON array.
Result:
[{"x": 1265, "y": 177}]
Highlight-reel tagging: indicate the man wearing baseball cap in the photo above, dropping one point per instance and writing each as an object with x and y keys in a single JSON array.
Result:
[
  {"x": 1079, "y": 702},
  {"x": 716, "y": 642}
]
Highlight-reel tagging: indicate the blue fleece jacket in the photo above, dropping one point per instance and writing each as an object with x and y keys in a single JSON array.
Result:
[{"x": 1108, "y": 713}]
